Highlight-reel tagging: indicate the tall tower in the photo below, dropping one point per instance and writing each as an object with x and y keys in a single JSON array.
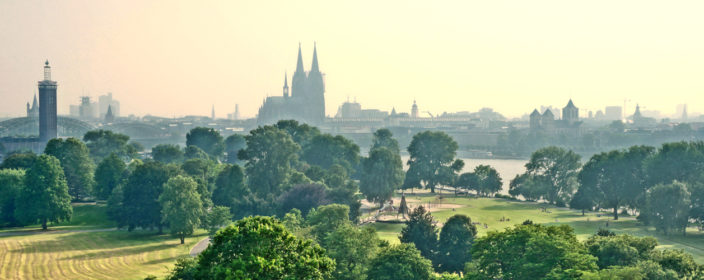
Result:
[
  {"x": 47, "y": 106},
  {"x": 298, "y": 81},
  {"x": 212, "y": 112},
  {"x": 316, "y": 90},
  {"x": 414, "y": 110},
  {"x": 570, "y": 113},
  {"x": 285, "y": 85}
]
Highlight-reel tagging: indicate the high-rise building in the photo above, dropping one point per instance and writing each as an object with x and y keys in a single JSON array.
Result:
[
  {"x": 414, "y": 110},
  {"x": 105, "y": 101},
  {"x": 47, "y": 106}
]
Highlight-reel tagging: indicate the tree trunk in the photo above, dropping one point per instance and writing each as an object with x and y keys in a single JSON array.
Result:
[
  {"x": 161, "y": 229},
  {"x": 44, "y": 227},
  {"x": 182, "y": 238},
  {"x": 615, "y": 213},
  {"x": 582, "y": 212}
]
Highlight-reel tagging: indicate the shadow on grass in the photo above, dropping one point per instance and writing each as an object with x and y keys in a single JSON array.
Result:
[
  {"x": 92, "y": 241},
  {"x": 128, "y": 251}
]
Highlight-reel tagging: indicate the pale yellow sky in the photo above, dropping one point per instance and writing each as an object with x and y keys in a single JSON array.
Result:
[{"x": 173, "y": 58}]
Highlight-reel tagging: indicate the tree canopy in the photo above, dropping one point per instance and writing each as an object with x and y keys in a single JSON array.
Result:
[
  {"x": 432, "y": 160},
  {"x": 76, "y": 163},
  {"x": 181, "y": 206},
  {"x": 402, "y": 261},
  {"x": 109, "y": 174},
  {"x": 44, "y": 197},
  {"x": 207, "y": 139}
]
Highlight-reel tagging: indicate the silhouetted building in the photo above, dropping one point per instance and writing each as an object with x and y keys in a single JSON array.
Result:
[
  {"x": 47, "y": 106},
  {"x": 105, "y": 101},
  {"x": 109, "y": 117},
  {"x": 33, "y": 112},
  {"x": 570, "y": 114},
  {"x": 414, "y": 110},
  {"x": 86, "y": 110},
  {"x": 306, "y": 102}
]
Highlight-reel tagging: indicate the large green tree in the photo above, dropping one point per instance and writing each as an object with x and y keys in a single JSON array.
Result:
[
  {"x": 384, "y": 138},
  {"x": 530, "y": 251},
  {"x": 11, "y": 184},
  {"x": 19, "y": 161},
  {"x": 432, "y": 160},
  {"x": 208, "y": 139},
  {"x": 258, "y": 248},
  {"x": 557, "y": 169},
  {"x": 181, "y": 206},
  {"x": 76, "y": 162},
  {"x": 382, "y": 173},
  {"x": 102, "y": 143},
  {"x": 488, "y": 180},
  {"x": 140, "y": 202},
  {"x": 230, "y": 187},
  {"x": 455, "y": 244},
  {"x": 325, "y": 150},
  {"x": 421, "y": 230},
  {"x": 616, "y": 178},
  {"x": 668, "y": 207},
  {"x": 270, "y": 154},
  {"x": 110, "y": 173},
  {"x": 44, "y": 197},
  {"x": 352, "y": 248},
  {"x": 301, "y": 133},
  {"x": 167, "y": 153},
  {"x": 303, "y": 197},
  {"x": 620, "y": 250},
  {"x": 402, "y": 261}
]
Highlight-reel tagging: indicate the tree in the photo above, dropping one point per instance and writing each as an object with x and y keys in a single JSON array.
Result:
[
  {"x": 420, "y": 230},
  {"x": 19, "y": 161},
  {"x": 530, "y": 251},
  {"x": 326, "y": 150},
  {"x": 582, "y": 200},
  {"x": 230, "y": 187},
  {"x": 402, "y": 261},
  {"x": 557, "y": 168},
  {"x": 110, "y": 173},
  {"x": 208, "y": 139},
  {"x": 181, "y": 206},
  {"x": 676, "y": 260},
  {"x": 233, "y": 144},
  {"x": 167, "y": 153},
  {"x": 326, "y": 219},
  {"x": 352, "y": 248},
  {"x": 193, "y": 152},
  {"x": 616, "y": 178},
  {"x": 467, "y": 181},
  {"x": 269, "y": 154},
  {"x": 384, "y": 138},
  {"x": 620, "y": 250},
  {"x": 455, "y": 244},
  {"x": 382, "y": 173},
  {"x": 668, "y": 207},
  {"x": 217, "y": 217},
  {"x": 303, "y": 197},
  {"x": 141, "y": 193},
  {"x": 679, "y": 161},
  {"x": 76, "y": 163},
  {"x": 102, "y": 143},
  {"x": 488, "y": 180},
  {"x": 302, "y": 134},
  {"x": 432, "y": 160},
  {"x": 44, "y": 197},
  {"x": 258, "y": 248},
  {"x": 11, "y": 184}
]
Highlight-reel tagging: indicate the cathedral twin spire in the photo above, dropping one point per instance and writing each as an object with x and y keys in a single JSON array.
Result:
[{"x": 300, "y": 75}]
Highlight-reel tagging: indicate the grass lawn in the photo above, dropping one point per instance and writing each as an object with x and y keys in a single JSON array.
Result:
[
  {"x": 68, "y": 253},
  {"x": 492, "y": 210}
]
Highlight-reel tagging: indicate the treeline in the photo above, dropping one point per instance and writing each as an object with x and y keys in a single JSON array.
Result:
[
  {"x": 326, "y": 245},
  {"x": 663, "y": 186}
]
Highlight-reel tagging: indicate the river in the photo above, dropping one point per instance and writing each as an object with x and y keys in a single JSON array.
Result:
[{"x": 507, "y": 168}]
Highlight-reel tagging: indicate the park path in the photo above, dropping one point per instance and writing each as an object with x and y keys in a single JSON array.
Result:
[
  {"x": 33, "y": 232},
  {"x": 200, "y": 247}
]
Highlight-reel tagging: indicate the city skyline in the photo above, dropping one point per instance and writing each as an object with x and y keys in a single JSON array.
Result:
[{"x": 633, "y": 50}]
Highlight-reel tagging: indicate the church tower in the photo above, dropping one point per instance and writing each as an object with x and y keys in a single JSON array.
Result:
[
  {"x": 316, "y": 90},
  {"x": 298, "y": 81},
  {"x": 285, "y": 85}
]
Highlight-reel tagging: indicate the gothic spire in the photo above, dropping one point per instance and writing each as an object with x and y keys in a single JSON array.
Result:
[
  {"x": 314, "y": 67},
  {"x": 299, "y": 64}
]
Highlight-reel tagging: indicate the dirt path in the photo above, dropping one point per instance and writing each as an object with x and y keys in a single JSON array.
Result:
[
  {"x": 33, "y": 232},
  {"x": 200, "y": 247}
]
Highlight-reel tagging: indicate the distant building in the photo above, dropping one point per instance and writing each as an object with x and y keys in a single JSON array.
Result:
[
  {"x": 105, "y": 101},
  {"x": 47, "y": 106},
  {"x": 109, "y": 117},
  {"x": 414, "y": 110},
  {"x": 86, "y": 110},
  {"x": 353, "y": 110},
  {"x": 613, "y": 113},
  {"x": 33, "y": 112},
  {"x": 570, "y": 114},
  {"x": 306, "y": 102}
]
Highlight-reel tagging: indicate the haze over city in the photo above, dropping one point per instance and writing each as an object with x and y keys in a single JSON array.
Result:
[{"x": 175, "y": 58}]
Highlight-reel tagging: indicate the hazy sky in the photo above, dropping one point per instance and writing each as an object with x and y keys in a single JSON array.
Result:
[{"x": 174, "y": 58}]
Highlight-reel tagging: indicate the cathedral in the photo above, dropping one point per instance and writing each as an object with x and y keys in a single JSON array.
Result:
[{"x": 305, "y": 102}]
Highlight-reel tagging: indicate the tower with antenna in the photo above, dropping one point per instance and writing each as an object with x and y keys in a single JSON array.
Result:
[{"x": 47, "y": 106}]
